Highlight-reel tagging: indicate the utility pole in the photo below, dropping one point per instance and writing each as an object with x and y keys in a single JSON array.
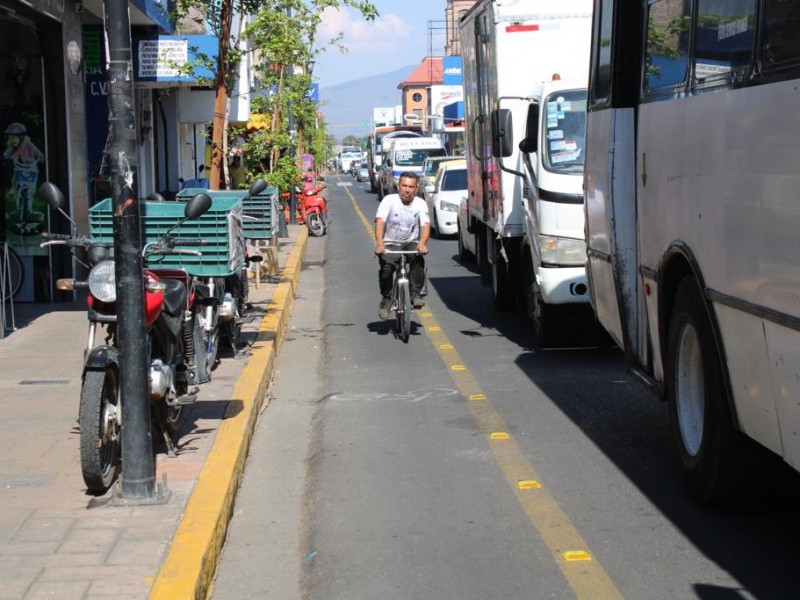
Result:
[
  {"x": 138, "y": 473},
  {"x": 292, "y": 194}
]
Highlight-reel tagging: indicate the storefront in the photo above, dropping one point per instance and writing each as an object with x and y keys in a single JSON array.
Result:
[{"x": 34, "y": 40}]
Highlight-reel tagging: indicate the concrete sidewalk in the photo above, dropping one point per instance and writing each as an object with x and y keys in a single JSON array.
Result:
[{"x": 58, "y": 542}]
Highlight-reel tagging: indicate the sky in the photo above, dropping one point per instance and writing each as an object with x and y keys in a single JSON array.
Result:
[{"x": 398, "y": 38}]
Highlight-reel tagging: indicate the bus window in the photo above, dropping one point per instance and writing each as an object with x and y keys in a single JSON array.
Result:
[
  {"x": 781, "y": 43},
  {"x": 725, "y": 37},
  {"x": 667, "y": 49},
  {"x": 602, "y": 68}
]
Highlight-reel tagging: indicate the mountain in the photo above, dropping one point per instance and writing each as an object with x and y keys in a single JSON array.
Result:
[{"x": 347, "y": 106}]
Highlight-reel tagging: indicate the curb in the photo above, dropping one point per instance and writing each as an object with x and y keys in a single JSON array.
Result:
[{"x": 189, "y": 568}]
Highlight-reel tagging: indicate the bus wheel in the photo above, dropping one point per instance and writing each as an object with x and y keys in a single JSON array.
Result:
[{"x": 698, "y": 407}]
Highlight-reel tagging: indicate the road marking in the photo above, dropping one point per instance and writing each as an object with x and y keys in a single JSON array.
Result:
[
  {"x": 500, "y": 435},
  {"x": 529, "y": 485},
  {"x": 345, "y": 184},
  {"x": 582, "y": 572}
]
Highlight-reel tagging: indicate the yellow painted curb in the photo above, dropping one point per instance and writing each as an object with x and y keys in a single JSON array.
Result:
[{"x": 189, "y": 568}]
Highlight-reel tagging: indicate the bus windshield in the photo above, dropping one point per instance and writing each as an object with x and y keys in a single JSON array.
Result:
[
  {"x": 415, "y": 157},
  {"x": 566, "y": 131}
]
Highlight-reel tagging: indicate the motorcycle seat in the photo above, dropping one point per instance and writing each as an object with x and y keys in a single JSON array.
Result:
[{"x": 174, "y": 297}]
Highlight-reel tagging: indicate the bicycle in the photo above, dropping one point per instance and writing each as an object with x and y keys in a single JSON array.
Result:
[
  {"x": 401, "y": 295},
  {"x": 12, "y": 272}
]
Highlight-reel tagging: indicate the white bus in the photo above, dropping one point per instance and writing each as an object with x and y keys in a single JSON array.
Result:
[{"x": 692, "y": 187}]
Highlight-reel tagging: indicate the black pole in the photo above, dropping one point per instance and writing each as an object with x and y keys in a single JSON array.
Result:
[
  {"x": 138, "y": 472},
  {"x": 292, "y": 194}
]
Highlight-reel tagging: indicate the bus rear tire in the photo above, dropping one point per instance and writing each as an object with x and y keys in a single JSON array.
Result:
[{"x": 699, "y": 411}]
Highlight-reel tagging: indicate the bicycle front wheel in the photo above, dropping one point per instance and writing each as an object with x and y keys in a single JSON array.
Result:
[{"x": 403, "y": 310}]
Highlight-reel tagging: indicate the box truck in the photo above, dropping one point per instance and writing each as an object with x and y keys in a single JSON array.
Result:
[{"x": 525, "y": 65}]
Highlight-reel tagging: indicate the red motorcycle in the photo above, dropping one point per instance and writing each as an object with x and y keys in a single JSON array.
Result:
[
  {"x": 172, "y": 333},
  {"x": 311, "y": 209}
]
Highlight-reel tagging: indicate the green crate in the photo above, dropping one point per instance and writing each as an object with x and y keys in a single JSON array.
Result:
[
  {"x": 220, "y": 228},
  {"x": 260, "y": 213}
]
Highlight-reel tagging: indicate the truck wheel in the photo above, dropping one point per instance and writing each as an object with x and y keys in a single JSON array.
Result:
[
  {"x": 547, "y": 319},
  {"x": 502, "y": 283},
  {"x": 464, "y": 255},
  {"x": 481, "y": 257},
  {"x": 698, "y": 406}
]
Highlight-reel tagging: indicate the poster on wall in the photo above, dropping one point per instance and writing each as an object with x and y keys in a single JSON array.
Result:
[{"x": 23, "y": 172}]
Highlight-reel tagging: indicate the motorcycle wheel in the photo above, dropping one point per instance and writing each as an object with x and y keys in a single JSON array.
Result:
[
  {"x": 316, "y": 225},
  {"x": 209, "y": 341},
  {"x": 100, "y": 431},
  {"x": 233, "y": 327}
]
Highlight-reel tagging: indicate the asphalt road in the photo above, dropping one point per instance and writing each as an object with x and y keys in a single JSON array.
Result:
[{"x": 467, "y": 464}]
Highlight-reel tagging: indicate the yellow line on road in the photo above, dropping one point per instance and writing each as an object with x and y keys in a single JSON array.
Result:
[{"x": 580, "y": 568}]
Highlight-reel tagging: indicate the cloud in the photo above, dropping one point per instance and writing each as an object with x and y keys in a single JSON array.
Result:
[{"x": 386, "y": 32}]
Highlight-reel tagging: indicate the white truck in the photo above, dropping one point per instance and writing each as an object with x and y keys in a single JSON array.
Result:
[{"x": 526, "y": 65}]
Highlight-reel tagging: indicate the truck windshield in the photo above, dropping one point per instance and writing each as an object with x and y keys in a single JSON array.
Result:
[
  {"x": 565, "y": 131},
  {"x": 415, "y": 157}
]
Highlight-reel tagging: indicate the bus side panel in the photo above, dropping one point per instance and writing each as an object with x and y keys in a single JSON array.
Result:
[
  {"x": 611, "y": 223},
  {"x": 749, "y": 371},
  {"x": 785, "y": 354}
]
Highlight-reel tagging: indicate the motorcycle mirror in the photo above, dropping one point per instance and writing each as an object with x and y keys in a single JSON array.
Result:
[
  {"x": 258, "y": 186},
  {"x": 157, "y": 197},
  {"x": 197, "y": 206},
  {"x": 52, "y": 195}
]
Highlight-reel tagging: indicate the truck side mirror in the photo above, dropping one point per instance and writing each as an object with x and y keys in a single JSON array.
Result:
[
  {"x": 528, "y": 144},
  {"x": 502, "y": 133}
]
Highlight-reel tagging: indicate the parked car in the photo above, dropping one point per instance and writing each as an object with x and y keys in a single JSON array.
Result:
[
  {"x": 448, "y": 191},
  {"x": 363, "y": 172},
  {"x": 429, "y": 168}
]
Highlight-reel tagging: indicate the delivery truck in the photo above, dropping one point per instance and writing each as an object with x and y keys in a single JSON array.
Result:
[{"x": 525, "y": 65}]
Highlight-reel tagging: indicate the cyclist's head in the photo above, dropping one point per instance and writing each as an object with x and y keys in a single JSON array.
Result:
[{"x": 407, "y": 186}]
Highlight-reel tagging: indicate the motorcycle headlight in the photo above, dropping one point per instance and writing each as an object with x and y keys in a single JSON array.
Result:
[
  {"x": 103, "y": 282},
  {"x": 562, "y": 251}
]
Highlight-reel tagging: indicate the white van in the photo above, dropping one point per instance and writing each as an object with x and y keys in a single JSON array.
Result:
[{"x": 407, "y": 154}]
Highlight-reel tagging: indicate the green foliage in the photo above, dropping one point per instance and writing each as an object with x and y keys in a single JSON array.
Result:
[{"x": 284, "y": 33}]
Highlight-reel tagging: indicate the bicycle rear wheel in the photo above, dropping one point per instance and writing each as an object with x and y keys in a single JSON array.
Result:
[
  {"x": 12, "y": 272},
  {"x": 403, "y": 311}
]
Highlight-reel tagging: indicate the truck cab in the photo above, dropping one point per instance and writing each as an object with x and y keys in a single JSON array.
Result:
[{"x": 551, "y": 160}]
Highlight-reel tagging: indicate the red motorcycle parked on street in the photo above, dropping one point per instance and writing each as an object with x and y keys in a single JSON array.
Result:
[
  {"x": 311, "y": 209},
  {"x": 172, "y": 333}
]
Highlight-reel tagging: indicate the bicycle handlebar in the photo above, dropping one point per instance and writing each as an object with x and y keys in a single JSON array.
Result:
[{"x": 56, "y": 236}]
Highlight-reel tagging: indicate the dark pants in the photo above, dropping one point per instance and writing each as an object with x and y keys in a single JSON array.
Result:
[{"x": 416, "y": 272}]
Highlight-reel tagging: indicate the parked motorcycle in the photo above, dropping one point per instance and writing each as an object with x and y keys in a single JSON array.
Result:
[
  {"x": 311, "y": 210},
  {"x": 171, "y": 331}
]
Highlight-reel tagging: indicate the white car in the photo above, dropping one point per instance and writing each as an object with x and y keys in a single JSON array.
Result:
[
  {"x": 466, "y": 240},
  {"x": 449, "y": 190}
]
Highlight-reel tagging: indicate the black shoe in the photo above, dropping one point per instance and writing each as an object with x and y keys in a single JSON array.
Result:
[
  {"x": 418, "y": 301},
  {"x": 385, "y": 309}
]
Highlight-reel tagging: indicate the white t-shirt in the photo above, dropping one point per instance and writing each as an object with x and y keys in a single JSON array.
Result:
[{"x": 403, "y": 222}]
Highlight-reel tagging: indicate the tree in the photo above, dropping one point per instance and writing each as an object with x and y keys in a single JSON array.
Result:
[{"x": 284, "y": 32}]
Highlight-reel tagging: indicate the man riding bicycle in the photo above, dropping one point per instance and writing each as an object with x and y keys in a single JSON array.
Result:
[{"x": 402, "y": 223}]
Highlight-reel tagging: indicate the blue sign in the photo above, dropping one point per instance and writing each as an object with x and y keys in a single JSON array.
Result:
[
  {"x": 452, "y": 70},
  {"x": 313, "y": 93},
  {"x": 163, "y": 58}
]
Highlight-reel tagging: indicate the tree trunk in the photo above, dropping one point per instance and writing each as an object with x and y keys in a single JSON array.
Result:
[{"x": 220, "y": 100}]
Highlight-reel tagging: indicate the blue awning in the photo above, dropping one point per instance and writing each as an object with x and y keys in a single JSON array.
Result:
[{"x": 454, "y": 111}]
